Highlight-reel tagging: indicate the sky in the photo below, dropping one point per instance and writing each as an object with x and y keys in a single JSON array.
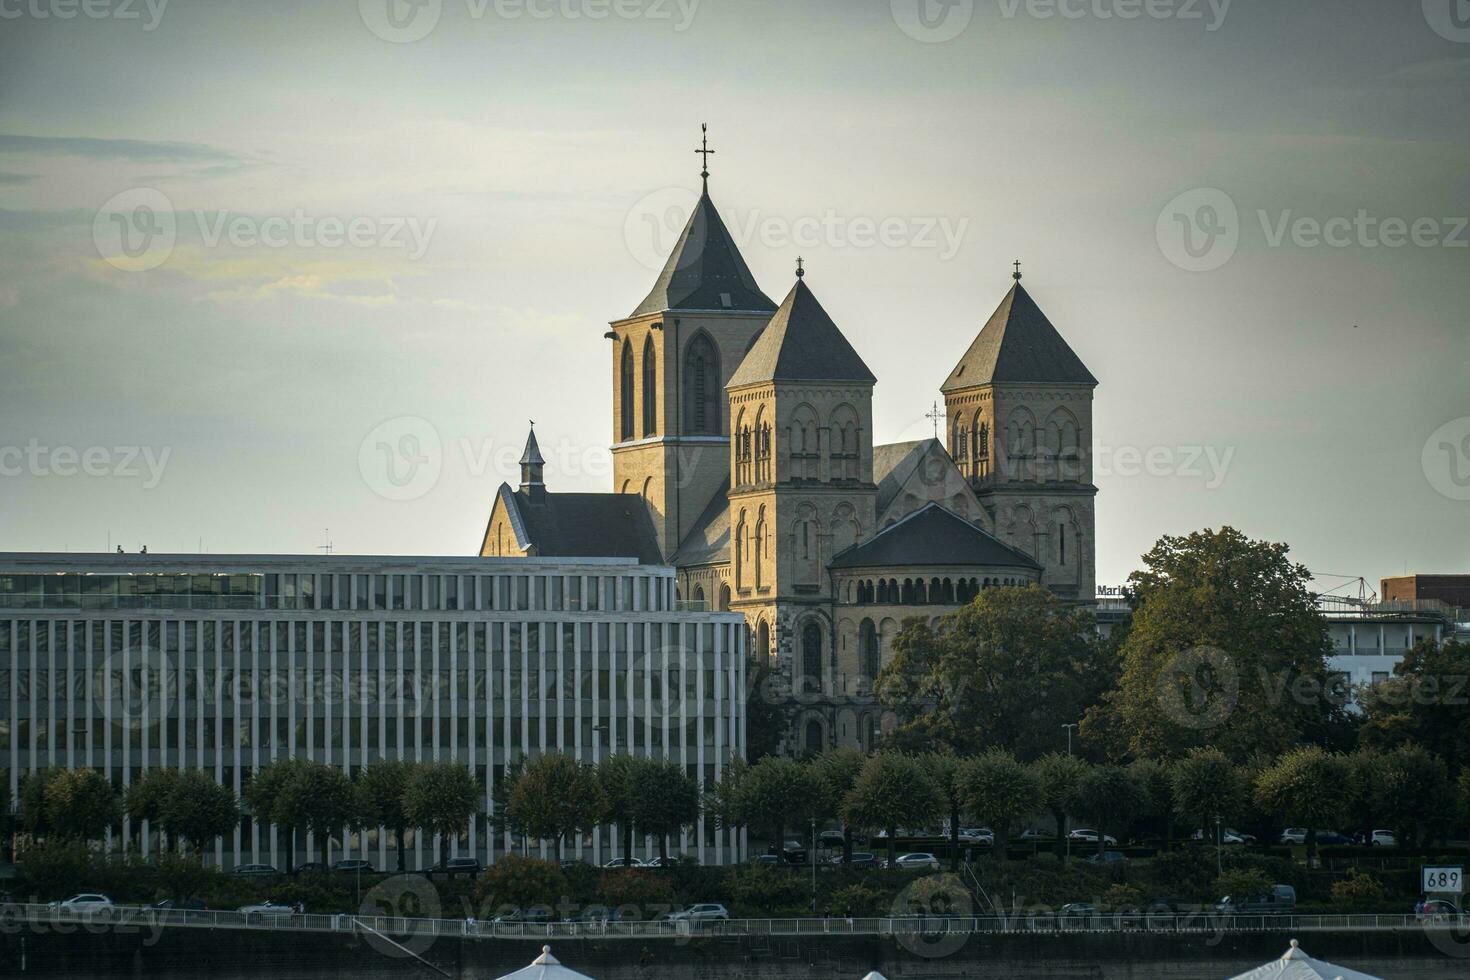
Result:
[{"x": 274, "y": 274}]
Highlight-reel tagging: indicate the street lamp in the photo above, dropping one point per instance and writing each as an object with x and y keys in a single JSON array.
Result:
[
  {"x": 1070, "y": 728},
  {"x": 1219, "y": 838},
  {"x": 814, "y": 865}
]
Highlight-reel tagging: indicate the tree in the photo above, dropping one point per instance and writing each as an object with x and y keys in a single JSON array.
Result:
[
  {"x": 440, "y": 798},
  {"x": 263, "y": 795},
  {"x": 1226, "y": 647},
  {"x": 1058, "y": 780},
  {"x": 1111, "y": 798},
  {"x": 615, "y": 773},
  {"x": 837, "y": 770},
  {"x": 33, "y": 815},
  {"x": 1425, "y": 703},
  {"x": 944, "y": 770},
  {"x": 519, "y": 882},
  {"x": 665, "y": 801},
  {"x": 1306, "y": 786},
  {"x": 1409, "y": 789},
  {"x": 891, "y": 791},
  {"x": 1207, "y": 786},
  {"x": 765, "y": 721},
  {"x": 321, "y": 799},
  {"x": 198, "y": 810},
  {"x": 1007, "y": 670},
  {"x": 145, "y": 798},
  {"x": 776, "y": 793},
  {"x": 81, "y": 804},
  {"x": 1000, "y": 791},
  {"x": 380, "y": 789},
  {"x": 554, "y": 797},
  {"x": 1156, "y": 779}
]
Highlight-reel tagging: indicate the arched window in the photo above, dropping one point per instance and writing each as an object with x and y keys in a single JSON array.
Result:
[
  {"x": 763, "y": 642},
  {"x": 702, "y": 388},
  {"x": 724, "y": 598},
  {"x": 869, "y": 659},
  {"x": 814, "y": 738},
  {"x": 625, "y": 391},
  {"x": 650, "y": 388},
  {"x": 811, "y": 658}
]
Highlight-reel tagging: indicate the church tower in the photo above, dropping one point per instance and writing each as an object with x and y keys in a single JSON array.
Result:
[
  {"x": 801, "y": 483},
  {"x": 671, "y": 358},
  {"x": 1018, "y": 408}
]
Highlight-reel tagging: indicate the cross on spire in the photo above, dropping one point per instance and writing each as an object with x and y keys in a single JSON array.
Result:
[
  {"x": 799, "y": 270},
  {"x": 1017, "y": 274},
  {"x": 935, "y": 415},
  {"x": 704, "y": 151}
]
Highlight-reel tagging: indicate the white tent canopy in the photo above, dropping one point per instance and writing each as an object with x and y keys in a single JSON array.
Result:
[
  {"x": 545, "y": 967},
  {"x": 1297, "y": 965},
  {"x": 875, "y": 975}
]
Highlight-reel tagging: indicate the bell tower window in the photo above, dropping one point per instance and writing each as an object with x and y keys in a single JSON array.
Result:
[
  {"x": 650, "y": 388},
  {"x": 625, "y": 393},
  {"x": 702, "y": 392}
]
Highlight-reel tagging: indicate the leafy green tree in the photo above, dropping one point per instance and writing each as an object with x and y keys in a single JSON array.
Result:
[
  {"x": 555, "y": 797},
  {"x": 765, "y": 719},
  {"x": 1000, "y": 791},
  {"x": 1207, "y": 785},
  {"x": 198, "y": 810},
  {"x": 182, "y": 876},
  {"x": 1058, "y": 781},
  {"x": 1425, "y": 703},
  {"x": 145, "y": 799},
  {"x": 665, "y": 801},
  {"x": 777, "y": 793},
  {"x": 440, "y": 799},
  {"x": 81, "y": 804},
  {"x": 1007, "y": 670},
  {"x": 1308, "y": 787},
  {"x": 837, "y": 770},
  {"x": 1111, "y": 798},
  {"x": 518, "y": 882},
  {"x": 891, "y": 791},
  {"x": 1156, "y": 779},
  {"x": 264, "y": 794},
  {"x": 615, "y": 773},
  {"x": 944, "y": 770},
  {"x": 1226, "y": 647},
  {"x": 1243, "y": 884},
  {"x": 380, "y": 789},
  {"x": 1410, "y": 786},
  {"x": 321, "y": 799},
  {"x": 33, "y": 815}
]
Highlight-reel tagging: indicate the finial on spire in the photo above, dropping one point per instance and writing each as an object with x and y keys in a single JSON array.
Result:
[
  {"x": 799, "y": 270},
  {"x": 1017, "y": 274},
  {"x": 704, "y": 151}
]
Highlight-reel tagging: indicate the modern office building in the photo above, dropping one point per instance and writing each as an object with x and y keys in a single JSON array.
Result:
[
  {"x": 123, "y": 663},
  {"x": 1369, "y": 639}
]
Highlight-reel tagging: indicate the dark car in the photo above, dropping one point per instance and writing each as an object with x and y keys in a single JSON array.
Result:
[
  {"x": 1331, "y": 838},
  {"x": 794, "y": 852},
  {"x": 254, "y": 870},
  {"x": 1109, "y": 858},
  {"x": 467, "y": 866},
  {"x": 180, "y": 905},
  {"x": 354, "y": 866},
  {"x": 860, "y": 859},
  {"x": 769, "y": 860},
  {"x": 1075, "y": 913},
  {"x": 311, "y": 868},
  {"x": 535, "y": 915}
]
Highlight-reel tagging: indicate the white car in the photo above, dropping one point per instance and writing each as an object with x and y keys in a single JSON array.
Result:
[
  {"x": 86, "y": 903},
  {"x": 268, "y": 908},
  {"x": 1091, "y": 836},
  {"x": 705, "y": 912},
  {"x": 917, "y": 862},
  {"x": 977, "y": 835},
  {"x": 625, "y": 863},
  {"x": 1294, "y": 835},
  {"x": 1383, "y": 838}
]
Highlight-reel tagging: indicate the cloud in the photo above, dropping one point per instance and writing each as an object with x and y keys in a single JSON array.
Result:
[
  {"x": 10, "y": 178},
  {"x": 107, "y": 149}
]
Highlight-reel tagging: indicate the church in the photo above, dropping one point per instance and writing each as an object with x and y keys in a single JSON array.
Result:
[{"x": 743, "y": 455}]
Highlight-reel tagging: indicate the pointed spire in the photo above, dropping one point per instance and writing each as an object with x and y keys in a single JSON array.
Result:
[
  {"x": 531, "y": 466},
  {"x": 800, "y": 272},
  {"x": 1017, "y": 274},
  {"x": 705, "y": 271},
  {"x": 704, "y": 151},
  {"x": 801, "y": 343},
  {"x": 1018, "y": 345}
]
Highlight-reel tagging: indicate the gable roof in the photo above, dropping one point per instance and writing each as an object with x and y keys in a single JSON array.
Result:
[
  {"x": 582, "y": 525},
  {"x": 801, "y": 343},
  {"x": 705, "y": 271},
  {"x": 893, "y": 464},
  {"x": 1018, "y": 345},
  {"x": 932, "y": 535}
]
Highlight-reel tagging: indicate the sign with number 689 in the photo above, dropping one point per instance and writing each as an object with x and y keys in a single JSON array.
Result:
[{"x": 1443, "y": 881}]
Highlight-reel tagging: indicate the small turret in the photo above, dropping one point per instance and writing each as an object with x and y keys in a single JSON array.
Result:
[{"x": 532, "y": 465}]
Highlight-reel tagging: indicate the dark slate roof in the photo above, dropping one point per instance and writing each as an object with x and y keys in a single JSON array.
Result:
[
  {"x": 583, "y": 525},
  {"x": 893, "y": 464},
  {"x": 932, "y": 535},
  {"x": 1018, "y": 345},
  {"x": 705, "y": 271},
  {"x": 709, "y": 540},
  {"x": 801, "y": 343}
]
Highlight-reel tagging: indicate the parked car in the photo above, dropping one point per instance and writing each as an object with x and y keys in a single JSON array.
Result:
[
  {"x": 1109, "y": 858},
  {"x": 704, "y": 912},
  {"x": 671, "y": 861},
  {"x": 311, "y": 868},
  {"x": 624, "y": 862},
  {"x": 535, "y": 914},
  {"x": 1331, "y": 838},
  {"x": 1076, "y": 911},
  {"x": 1435, "y": 908},
  {"x": 180, "y": 905},
  {"x": 1029, "y": 835},
  {"x": 268, "y": 908},
  {"x": 918, "y": 861},
  {"x": 468, "y": 866},
  {"x": 1294, "y": 835},
  {"x": 1231, "y": 836},
  {"x": 87, "y": 903},
  {"x": 354, "y": 866},
  {"x": 794, "y": 852},
  {"x": 860, "y": 859},
  {"x": 1281, "y": 899},
  {"x": 769, "y": 860},
  {"x": 976, "y": 835},
  {"x": 1090, "y": 836},
  {"x": 1383, "y": 838},
  {"x": 830, "y": 838},
  {"x": 251, "y": 870}
]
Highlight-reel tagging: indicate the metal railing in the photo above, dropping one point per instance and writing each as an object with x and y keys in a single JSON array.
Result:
[{"x": 15, "y": 917}]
